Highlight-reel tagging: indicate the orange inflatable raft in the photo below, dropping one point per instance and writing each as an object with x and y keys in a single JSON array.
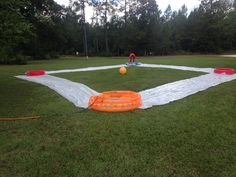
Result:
[{"x": 115, "y": 101}]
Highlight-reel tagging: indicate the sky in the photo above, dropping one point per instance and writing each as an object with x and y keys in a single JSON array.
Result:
[{"x": 175, "y": 5}]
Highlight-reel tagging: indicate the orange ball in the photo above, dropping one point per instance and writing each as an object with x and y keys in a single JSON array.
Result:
[{"x": 123, "y": 70}]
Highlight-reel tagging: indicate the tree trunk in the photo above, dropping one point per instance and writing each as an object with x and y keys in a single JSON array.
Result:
[
  {"x": 125, "y": 12},
  {"x": 106, "y": 35},
  {"x": 85, "y": 32},
  {"x": 97, "y": 48}
]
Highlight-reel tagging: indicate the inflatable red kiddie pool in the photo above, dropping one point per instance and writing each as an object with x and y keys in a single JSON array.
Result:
[
  {"x": 35, "y": 73},
  {"x": 228, "y": 71}
]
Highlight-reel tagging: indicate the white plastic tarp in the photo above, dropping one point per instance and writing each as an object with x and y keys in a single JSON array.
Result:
[
  {"x": 205, "y": 70},
  {"x": 180, "y": 89},
  {"x": 76, "y": 93},
  {"x": 79, "y": 94},
  {"x": 84, "y": 69}
]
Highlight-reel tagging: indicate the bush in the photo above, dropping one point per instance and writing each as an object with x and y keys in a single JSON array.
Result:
[
  {"x": 17, "y": 59},
  {"x": 3, "y": 57},
  {"x": 105, "y": 54},
  {"x": 182, "y": 52},
  {"x": 43, "y": 55},
  {"x": 54, "y": 55},
  {"x": 21, "y": 59}
]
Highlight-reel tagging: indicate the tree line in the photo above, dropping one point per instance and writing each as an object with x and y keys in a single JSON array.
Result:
[{"x": 42, "y": 29}]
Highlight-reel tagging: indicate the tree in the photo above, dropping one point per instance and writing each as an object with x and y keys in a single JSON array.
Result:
[
  {"x": 206, "y": 24},
  {"x": 230, "y": 24},
  {"x": 166, "y": 31},
  {"x": 167, "y": 14},
  {"x": 106, "y": 8},
  {"x": 116, "y": 26},
  {"x": 46, "y": 17},
  {"x": 80, "y": 7},
  {"x": 144, "y": 18},
  {"x": 42, "y": 28},
  {"x": 179, "y": 27},
  {"x": 14, "y": 30},
  {"x": 72, "y": 30},
  {"x": 125, "y": 12}
]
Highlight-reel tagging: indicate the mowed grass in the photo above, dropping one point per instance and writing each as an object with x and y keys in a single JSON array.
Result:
[
  {"x": 195, "y": 136},
  {"x": 136, "y": 78}
]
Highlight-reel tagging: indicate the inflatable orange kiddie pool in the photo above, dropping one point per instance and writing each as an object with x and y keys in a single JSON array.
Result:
[{"x": 115, "y": 101}]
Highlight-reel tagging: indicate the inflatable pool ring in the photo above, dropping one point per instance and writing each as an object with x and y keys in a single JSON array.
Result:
[
  {"x": 228, "y": 71},
  {"x": 115, "y": 101},
  {"x": 35, "y": 73}
]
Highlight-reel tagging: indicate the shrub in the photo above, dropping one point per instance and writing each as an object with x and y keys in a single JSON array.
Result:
[
  {"x": 54, "y": 55},
  {"x": 16, "y": 59}
]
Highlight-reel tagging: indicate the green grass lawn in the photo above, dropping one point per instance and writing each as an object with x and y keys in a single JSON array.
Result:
[
  {"x": 136, "y": 79},
  {"x": 195, "y": 136}
]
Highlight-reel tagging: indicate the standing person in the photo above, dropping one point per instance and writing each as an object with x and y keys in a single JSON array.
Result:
[{"x": 132, "y": 57}]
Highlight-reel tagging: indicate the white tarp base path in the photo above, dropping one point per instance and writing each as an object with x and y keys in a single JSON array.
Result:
[
  {"x": 79, "y": 94},
  {"x": 76, "y": 93},
  {"x": 84, "y": 69},
  {"x": 205, "y": 70},
  {"x": 180, "y": 89},
  {"x": 186, "y": 68}
]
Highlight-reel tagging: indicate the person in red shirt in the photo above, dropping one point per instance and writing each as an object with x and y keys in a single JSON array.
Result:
[{"x": 132, "y": 57}]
